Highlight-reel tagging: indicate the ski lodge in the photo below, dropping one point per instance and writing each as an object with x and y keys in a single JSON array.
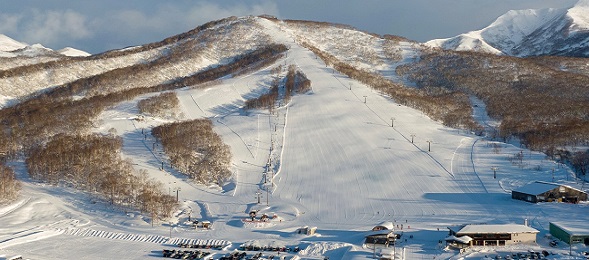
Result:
[
  {"x": 380, "y": 239},
  {"x": 382, "y": 236},
  {"x": 548, "y": 192},
  {"x": 490, "y": 235}
]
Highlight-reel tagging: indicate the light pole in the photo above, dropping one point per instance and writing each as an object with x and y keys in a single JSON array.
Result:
[
  {"x": 177, "y": 191},
  {"x": 364, "y": 99},
  {"x": 429, "y": 146},
  {"x": 392, "y": 122},
  {"x": 412, "y": 135}
]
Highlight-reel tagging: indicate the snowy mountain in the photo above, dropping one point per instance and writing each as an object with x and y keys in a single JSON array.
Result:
[
  {"x": 71, "y": 52},
  {"x": 344, "y": 156},
  {"x": 10, "y": 48},
  {"x": 533, "y": 32},
  {"x": 9, "y": 44}
]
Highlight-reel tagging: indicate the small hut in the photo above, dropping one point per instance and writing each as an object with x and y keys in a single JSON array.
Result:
[{"x": 306, "y": 230}]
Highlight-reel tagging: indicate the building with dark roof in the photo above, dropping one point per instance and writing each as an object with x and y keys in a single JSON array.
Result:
[{"x": 547, "y": 192}]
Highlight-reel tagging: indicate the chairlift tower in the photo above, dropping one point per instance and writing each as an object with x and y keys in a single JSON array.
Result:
[{"x": 258, "y": 193}]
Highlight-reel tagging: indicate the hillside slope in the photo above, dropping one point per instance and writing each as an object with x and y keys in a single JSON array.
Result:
[{"x": 174, "y": 59}]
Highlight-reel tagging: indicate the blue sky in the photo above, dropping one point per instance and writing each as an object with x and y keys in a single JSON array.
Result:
[{"x": 99, "y": 25}]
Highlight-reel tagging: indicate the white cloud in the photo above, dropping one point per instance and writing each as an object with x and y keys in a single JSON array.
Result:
[
  {"x": 9, "y": 23},
  {"x": 208, "y": 11},
  {"x": 138, "y": 26},
  {"x": 50, "y": 27},
  {"x": 169, "y": 17}
]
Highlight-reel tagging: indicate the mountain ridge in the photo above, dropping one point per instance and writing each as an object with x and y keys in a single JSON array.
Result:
[
  {"x": 531, "y": 32},
  {"x": 10, "y": 48}
]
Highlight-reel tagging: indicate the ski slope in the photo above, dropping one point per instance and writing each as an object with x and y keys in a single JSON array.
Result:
[{"x": 330, "y": 158}]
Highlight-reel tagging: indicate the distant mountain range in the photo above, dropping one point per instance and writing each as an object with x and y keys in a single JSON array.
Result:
[
  {"x": 12, "y": 48},
  {"x": 533, "y": 32}
]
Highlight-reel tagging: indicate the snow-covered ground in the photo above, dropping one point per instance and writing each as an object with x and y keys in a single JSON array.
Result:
[{"x": 336, "y": 163}]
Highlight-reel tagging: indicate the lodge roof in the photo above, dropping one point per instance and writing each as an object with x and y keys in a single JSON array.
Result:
[
  {"x": 387, "y": 225},
  {"x": 462, "y": 239},
  {"x": 536, "y": 188},
  {"x": 492, "y": 229}
]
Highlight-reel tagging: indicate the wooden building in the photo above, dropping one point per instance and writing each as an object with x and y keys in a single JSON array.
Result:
[
  {"x": 380, "y": 239},
  {"x": 547, "y": 192},
  {"x": 491, "y": 235}
]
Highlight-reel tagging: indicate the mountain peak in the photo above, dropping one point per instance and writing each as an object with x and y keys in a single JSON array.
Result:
[
  {"x": 12, "y": 48},
  {"x": 69, "y": 51},
  {"x": 531, "y": 32},
  {"x": 9, "y": 44},
  {"x": 579, "y": 15}
]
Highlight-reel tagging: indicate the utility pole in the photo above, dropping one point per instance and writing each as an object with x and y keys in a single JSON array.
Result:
[
  {"x": 570, "y": 244},
  {"x": 429, "y": 146},
  {"x": 412, "y": 135},
  {"x": 258, "y": 193},
  {"x": 177, "y": 191},
  {"x": 364, "y": 99},
  {"x": 392, "y": 122},
  {"x": 494, "y": 168}
]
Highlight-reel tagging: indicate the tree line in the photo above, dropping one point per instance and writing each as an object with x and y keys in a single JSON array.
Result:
[
  {"x": 196, "y": 150},
  {"x": 160, "y": 105},
  {"x": 92, "y": 163},
  {"x": 295, "y": 82},
  {"x": 67, "y": 61},
  {"x": 33, "y": 122},
  {"x": 450, "y": 107},
  {"x": 542, "y": 101},
  {"x": 542, "y": 106},
  {"x": 9, "y": 186}
]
